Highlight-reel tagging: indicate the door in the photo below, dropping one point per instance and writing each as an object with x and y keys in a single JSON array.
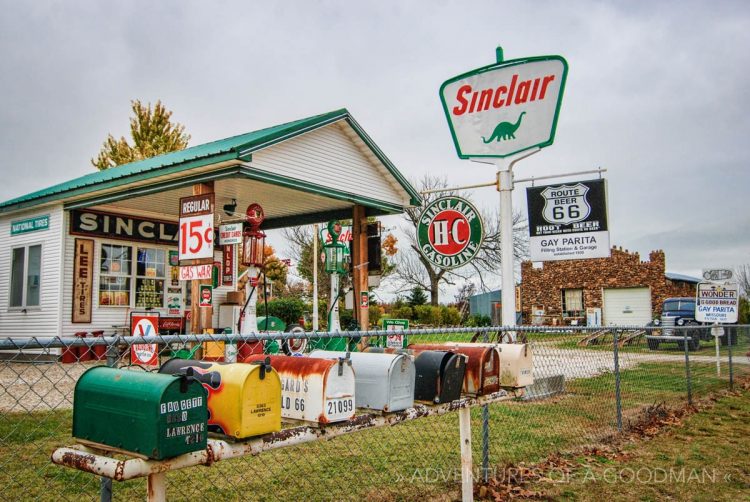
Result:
[{"x": 627, "y": 306}]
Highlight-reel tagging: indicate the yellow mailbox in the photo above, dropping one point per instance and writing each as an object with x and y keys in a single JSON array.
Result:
[{"x": 243, "y": 399}]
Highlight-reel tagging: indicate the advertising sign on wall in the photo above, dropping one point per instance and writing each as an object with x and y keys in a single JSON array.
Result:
[
  {"x": 449, "y": 232},
  {"x": 505, "y": 108},
  {"x": 196, "y": 239},
  {"x": 568, "y": 222},
  {"x": 230, "y": 233},
  {"x": 144, "y": 324},
  {"x": 83, "y": 276}
]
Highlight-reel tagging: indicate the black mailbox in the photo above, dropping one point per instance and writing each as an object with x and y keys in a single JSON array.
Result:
[{"x": 440, "y": 376}]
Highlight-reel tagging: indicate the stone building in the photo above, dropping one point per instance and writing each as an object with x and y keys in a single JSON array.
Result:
[{"x": 620, "y": 290}]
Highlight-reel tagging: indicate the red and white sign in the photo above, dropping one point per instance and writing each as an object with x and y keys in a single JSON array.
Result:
[
  {"x": 344, "y": 237},
  {"x": 449, "y": 232},
  {"x": 364, "y": 300},
  {"x": 502, "y": 109},
  {"x": 230, "y": 233},
  {"x": 196, "y": 272},
  {"x": 196, "y": 238},
  {"x": 146, "y": 354},
  {"x": 227, "y": 266}
]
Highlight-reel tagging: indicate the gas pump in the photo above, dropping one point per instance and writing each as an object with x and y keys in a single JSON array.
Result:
[
  {"x": 253, "y": 243},
  {"x": 335, "y": 264}
]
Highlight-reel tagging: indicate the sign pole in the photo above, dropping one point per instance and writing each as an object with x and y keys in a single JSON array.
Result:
[{"x": 505, "y": 187}]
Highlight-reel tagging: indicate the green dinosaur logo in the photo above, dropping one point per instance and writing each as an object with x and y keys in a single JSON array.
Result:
[{"x": 504, "y": 130}]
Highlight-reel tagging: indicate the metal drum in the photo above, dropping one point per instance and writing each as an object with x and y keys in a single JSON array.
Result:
[{"x": 383, "y": 381}]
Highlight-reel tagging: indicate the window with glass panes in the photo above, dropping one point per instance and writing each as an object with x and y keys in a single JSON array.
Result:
[
  {"x": 132, "y": 276},
  {"x": 572, "y": 302},
  {"x": 26, "y": 276}
]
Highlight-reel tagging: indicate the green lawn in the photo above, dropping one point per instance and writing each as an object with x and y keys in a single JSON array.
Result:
[{"x": 418, "y": 459}]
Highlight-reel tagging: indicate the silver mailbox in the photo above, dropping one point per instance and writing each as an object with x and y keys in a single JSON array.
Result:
[{"x": 382, "y": 381}]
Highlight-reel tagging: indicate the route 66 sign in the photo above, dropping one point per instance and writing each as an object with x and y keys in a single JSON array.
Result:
[
  {"x": 565, "y": 204},
  {"x": 568, "y": 222},
  {"x": 449, "y": 232}
]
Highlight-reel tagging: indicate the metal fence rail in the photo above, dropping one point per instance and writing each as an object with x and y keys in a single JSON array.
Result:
[{"x": 589, "y": 384}]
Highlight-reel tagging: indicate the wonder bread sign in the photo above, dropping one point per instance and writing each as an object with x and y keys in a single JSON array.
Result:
[{"x": 505, "y": 108}]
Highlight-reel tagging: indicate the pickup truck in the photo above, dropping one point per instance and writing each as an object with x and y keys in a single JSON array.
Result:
[{"x": 676, "y": 313}]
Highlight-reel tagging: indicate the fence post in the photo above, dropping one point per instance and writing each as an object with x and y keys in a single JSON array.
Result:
[
  {"x": 486, "y": 427},
  {"x": 730, "y": 340},
  {"x": 618, "y": 400},
  {"x": 105, "y": 484},
  {"x": 687, "y": 367}
]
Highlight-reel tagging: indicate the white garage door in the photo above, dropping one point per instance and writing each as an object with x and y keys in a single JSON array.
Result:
[{"x": 627, "y": 306}]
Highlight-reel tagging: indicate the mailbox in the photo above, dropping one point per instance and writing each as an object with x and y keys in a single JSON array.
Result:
[
  {"x": 440, "y": 376},
  {"x": 516, "y": 362},
  {"x": 243, "y": 399},
  {"x": 482, "y": 374},
  {"x": 516, "y": 365},
  {"x": 146, "y": 414},
  {"x": 383, "y": 381},
  {"x": 315, "y": 390}
]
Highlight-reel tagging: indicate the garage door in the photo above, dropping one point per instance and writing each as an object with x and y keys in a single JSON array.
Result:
[{"x": 627, "y": 306}]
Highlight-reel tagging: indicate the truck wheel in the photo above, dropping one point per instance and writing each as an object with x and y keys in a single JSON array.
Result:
[
  {"x": 294, "y": 345},
  {"x": 653, "y": 344},
  {"x": 694, "y": 343}
]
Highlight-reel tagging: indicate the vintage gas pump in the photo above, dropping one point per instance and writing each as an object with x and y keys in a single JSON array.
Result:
[
  {"x": 335, "y": 264},
  {"x": 253, "y": 244}
]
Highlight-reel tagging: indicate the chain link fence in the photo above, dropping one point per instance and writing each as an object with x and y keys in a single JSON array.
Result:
[{"x": 589, "y": 384}]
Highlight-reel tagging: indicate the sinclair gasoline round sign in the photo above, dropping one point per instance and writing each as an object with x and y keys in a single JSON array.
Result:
[{"x": 449, "y": 232}]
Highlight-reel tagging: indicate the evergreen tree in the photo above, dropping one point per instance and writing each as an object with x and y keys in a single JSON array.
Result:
[
  {"x": 417, "y": 297},
  {"x": 152, "y": 132}
]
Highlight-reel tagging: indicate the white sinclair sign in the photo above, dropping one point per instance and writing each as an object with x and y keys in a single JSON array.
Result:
[
  {"x": 505, "y": 108},
  {"x": 717, "y": 303}
]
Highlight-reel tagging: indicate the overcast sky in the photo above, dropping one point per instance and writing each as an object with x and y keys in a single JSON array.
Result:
[{"x": 657, "y": 93}]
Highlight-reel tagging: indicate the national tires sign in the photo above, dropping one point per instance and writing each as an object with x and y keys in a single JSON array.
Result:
[
  {"x": 449, "y": 232},
  {"x": 568, "y": 222},
  {"x": 505, "y": 108}
]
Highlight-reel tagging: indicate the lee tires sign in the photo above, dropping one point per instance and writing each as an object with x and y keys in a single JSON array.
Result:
[
  {"x": 449, "y": 232},
  {"x": 568, "y": 222},
  {"x": 505, "y": 108}
]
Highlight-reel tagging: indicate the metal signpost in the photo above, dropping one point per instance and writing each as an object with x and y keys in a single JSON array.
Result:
[
  {"x": 717, "y": 302},
  {"x": 505, "y": 112}
]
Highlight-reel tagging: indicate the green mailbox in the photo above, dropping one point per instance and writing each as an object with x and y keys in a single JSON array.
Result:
[{"x": 148, "y": 414}]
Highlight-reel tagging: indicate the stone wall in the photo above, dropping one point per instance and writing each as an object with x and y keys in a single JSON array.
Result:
[{"x": 623, "y": 269}]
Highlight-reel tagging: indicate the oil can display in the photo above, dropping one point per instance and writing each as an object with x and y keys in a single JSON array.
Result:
[
  {"x": 148, "y": 414},
  {"x": 383, "y": 381},
  {"x": 314, "y": 389},
  {"x": 482, "y": 374},
  {"x": 243, "y": 399},
  {"x": 440, "y": 376}
]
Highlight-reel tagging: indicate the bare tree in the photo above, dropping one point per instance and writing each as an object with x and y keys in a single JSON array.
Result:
[
  {"x": 743, "y": 278},
  {"x": 413, "y": 269}
]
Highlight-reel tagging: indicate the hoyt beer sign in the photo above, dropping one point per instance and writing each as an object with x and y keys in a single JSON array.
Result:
[
  {"x": 505, "y": 108},
  {"x": 449, "y": 232}
]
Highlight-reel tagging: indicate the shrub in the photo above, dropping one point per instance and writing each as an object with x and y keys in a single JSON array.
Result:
[
  {"x": 428, "y": 314},
  {"x": 403, "y": 312},
  {"x": 450, "y": 316},
  {"x": 476, "y": 320},
  {"x": 288, "y": 310}
]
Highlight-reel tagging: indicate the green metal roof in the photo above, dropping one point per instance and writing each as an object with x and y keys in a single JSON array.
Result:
[{"x": 234, "y": 148}]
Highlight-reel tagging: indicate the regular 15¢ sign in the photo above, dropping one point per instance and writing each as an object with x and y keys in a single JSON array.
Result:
[
  {"x": 196, "y": 239},
  {"x": 449, "y": 232}
]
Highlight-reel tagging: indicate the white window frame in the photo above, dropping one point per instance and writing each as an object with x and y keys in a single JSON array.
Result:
[
  {"x": 25, "y": 278},
  {"x": 133, "y": 275},
  {"x": 565, "y": 310}
]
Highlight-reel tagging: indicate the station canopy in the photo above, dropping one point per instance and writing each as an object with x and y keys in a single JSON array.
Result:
[{"x": 310, "y": 170}]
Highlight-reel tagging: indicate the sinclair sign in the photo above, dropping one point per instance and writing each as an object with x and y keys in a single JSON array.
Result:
[
  {"x": 505, "y": 108},
  {"x": 449, "y": 232}
]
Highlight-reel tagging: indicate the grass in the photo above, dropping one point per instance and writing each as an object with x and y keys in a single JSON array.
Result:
[
  {"x": 696, "y": 460},
  {"x": 707, "y": 347},
  {"x": 418, "y": 459}
]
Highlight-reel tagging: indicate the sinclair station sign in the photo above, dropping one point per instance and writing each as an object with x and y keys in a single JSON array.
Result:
[{"x": 505, "y": 108}]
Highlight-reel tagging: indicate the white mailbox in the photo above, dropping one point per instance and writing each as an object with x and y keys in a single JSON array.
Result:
[
  {"x": 516, "y": 362},
  {"x": 314, "y": 389},
  {"x": 383, "y": 381}
]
